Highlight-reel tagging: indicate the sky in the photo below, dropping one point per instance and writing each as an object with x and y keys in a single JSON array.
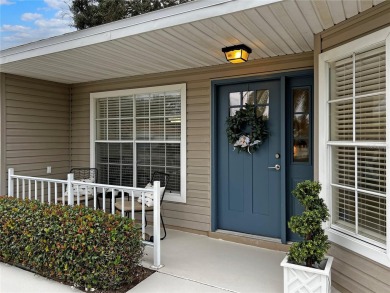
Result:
[{"x": 26, "y": 21}]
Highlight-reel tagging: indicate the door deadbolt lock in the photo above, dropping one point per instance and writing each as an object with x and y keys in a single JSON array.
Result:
[{"x": 276, "y": 167}]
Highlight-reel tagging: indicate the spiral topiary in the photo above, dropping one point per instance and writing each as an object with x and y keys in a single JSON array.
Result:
[{"x": 312, "y": 248}]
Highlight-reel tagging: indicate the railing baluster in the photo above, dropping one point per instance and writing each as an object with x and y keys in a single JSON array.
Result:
[
  {"x": 123, "y": 203},
  {"x": 104, "y": 199},
  {"x": 112, "y": 201},
  {"x": 23, "y": 190},
  {"x": 55, "y": 193},
  {"x": 156, "y": 225},
  {"x": 69, "y": 183},
  {"x": 29, "y": 189},
  {"x": 35, "y": 190},
  {"x": 63, "y": 194},
  {"x": 17, "y": 187},
  {"x": 94, "y": 198},
  {"x": 78, "y": 195},
  {"x": 132, "y": 204},
  {"x": 42, "y": 191},
  {"x": 143, "y": 215},
  {"x": 49, "y": 192},
  {"x": 86, "y": 195}
]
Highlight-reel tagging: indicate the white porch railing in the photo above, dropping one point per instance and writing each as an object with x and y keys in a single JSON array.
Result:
[{"x": 55, "y": 191}]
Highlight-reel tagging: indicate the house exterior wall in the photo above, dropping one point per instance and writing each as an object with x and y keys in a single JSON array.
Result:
[
  {"x": 2, "y": 135},
  {"x": 355, "y": 272},
  {"x": 37, "y": 126},
  {"x": 195, "y": 214}
]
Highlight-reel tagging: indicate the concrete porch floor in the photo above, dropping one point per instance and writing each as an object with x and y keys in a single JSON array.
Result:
[{"x": 193, "y": 263}]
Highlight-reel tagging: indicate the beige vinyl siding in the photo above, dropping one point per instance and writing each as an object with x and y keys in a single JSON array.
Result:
[
  {"x": 196, "y": 212},
  {"x": 37, "y": 126},
  {"x": 358, "y": 274},
  {"x": 3, "y": 171},
  {"x": 352, "y": 272}
]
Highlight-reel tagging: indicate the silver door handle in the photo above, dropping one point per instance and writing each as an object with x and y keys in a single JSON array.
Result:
[{"x": 276, "y": 167}]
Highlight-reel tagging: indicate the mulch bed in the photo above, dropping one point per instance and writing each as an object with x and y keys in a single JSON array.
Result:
[{"x": 143, "y": 274}]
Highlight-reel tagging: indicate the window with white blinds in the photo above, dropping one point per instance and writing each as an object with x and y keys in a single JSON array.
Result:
[
  {"x": 138, "y": 132},
  {"x": 357, "y": 143}
]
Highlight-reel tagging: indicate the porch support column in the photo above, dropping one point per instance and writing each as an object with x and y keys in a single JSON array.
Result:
[
  {"x": 3, "y": 170},
  {"x": 317, "y": 51}
]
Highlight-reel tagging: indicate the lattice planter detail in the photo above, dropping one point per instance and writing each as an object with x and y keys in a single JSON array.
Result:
[{"x": 302, "y": 279}]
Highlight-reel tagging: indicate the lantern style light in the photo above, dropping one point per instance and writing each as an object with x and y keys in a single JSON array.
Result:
[{"x": 237, "y": 54}]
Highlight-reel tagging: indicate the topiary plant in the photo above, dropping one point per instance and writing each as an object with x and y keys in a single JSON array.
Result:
[{"x": 312, "y": 248}]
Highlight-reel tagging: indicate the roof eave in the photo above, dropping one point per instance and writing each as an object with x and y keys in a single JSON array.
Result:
[{"x": 163, "y": 18}]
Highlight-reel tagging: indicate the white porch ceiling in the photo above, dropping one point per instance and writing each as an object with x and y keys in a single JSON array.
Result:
[{"x": 182, "y": 37}]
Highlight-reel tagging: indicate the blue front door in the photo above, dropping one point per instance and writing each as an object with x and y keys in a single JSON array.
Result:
[{"x": 247, "y": 186}]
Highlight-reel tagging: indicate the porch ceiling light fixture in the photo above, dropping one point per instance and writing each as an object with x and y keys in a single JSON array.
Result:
[{"x": 237, "y": 54}]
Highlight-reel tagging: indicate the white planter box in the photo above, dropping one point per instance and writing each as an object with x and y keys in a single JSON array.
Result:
[{"x": 301, "y": 279}]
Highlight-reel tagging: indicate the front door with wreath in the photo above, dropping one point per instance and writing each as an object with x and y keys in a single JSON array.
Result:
[{"x": 248, "y": 149}]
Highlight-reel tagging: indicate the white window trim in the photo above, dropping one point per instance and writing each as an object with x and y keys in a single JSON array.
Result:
[
  {"x": 183, "y": 144},
  {"x": 366, "y": 249}
]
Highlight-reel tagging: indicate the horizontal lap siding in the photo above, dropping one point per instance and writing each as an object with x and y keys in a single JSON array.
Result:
[
  {"x": 351, "y": 271},
  {"x": 37, "y": 127},
  {"x": 196, "y": 212}
]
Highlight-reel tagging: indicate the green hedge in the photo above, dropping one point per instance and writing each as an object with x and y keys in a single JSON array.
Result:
[{"x": 78, "y": 245}]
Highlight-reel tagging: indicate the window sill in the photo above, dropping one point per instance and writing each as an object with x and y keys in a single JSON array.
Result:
[
  {"x": 370, "y": 251},
  {"x": 175, "y": 197}
]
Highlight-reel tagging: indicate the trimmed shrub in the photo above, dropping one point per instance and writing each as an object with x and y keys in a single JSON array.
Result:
[
  {"x": 76, "y": 245},
  {"x": 311, "y": 250}
]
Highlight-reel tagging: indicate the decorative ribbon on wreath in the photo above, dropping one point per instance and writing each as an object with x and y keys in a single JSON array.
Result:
[{"x": 237, "y": 124}]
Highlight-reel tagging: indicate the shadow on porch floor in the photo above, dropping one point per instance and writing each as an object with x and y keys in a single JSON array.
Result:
[{"x": 195, "y": 263}]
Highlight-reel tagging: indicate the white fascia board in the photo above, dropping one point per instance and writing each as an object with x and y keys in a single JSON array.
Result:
[{"x": 164, "y": 18}]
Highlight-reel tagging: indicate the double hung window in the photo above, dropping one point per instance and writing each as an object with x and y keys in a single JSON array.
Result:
[
  {"x": 355, "y": 143},
  {"x": 137, "y": 132}
]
